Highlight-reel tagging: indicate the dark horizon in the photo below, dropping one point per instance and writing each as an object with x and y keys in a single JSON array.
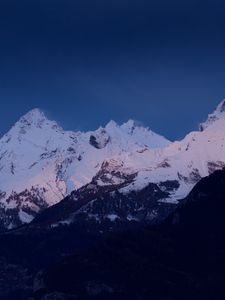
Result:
[{"x": 84, "y": 63}]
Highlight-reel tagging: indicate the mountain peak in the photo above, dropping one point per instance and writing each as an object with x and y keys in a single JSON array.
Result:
[
  {"x": 221, "y": 107},
  {"x": 218, "y": 114},
  {"x": 33, "y": 119},
  {"x": 34, "y": 115},
  {"x": 111, "y": 124},
  {"x": 36, "y": 118},
  {"x": 130, "y": 124}
]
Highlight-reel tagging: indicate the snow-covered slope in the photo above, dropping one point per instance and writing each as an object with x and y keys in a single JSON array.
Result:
[
  {"x": 199, "y": 154},
  {"x": 40, "y": 163},
  {"x": 215, "y": 120}
]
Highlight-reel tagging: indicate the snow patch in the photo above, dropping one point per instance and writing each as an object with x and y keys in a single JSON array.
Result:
[{"x": 25, "y": 217}]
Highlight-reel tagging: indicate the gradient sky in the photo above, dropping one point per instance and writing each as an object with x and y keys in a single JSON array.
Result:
[{"x": 84, "y": 62}]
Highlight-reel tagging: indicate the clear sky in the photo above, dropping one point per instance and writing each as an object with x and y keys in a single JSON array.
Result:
[{"x": 84, "y": 62}]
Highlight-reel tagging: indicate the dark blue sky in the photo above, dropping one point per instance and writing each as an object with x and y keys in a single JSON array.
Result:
[{"x": 85, "y": 62}]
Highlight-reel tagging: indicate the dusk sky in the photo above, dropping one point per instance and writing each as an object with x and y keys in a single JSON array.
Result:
[{"x": 84, "y": 62}]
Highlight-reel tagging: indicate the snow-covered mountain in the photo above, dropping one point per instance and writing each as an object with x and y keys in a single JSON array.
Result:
[
  {"x": 215, "y": 119},
  {"x": 40, "y": 163}
]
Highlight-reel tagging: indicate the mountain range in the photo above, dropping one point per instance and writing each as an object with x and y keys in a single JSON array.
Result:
[
  {"x": 116, "y": 213},
  {"x": 117, "y": 173}
]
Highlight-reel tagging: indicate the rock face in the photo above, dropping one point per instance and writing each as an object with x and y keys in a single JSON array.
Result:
[
  {"x": 99, "y": 140},
  {"x": 41, "y": 164},
  {"x": 102, "y": 208}
]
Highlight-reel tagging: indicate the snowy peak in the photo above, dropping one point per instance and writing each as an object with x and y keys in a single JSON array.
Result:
[
  {"x": 215, "y": 119},
  {"x": 33, "y": 126},
  {"x": 144, "y": 135},
  {"x": 130, "y": 125},
  {"x": 221, "y": 107},
  {"x": 35, "y": 118},
  {"x": 132, "y": 131},
  {"x": 34, "y": 115}
]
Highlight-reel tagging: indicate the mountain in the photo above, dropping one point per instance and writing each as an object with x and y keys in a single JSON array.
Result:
[{"x": 40, "y": 163}]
